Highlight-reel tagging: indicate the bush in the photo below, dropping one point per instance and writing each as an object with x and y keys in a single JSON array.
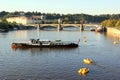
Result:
[
  {"x": 4, "y": 25},
  {"x": 111, "y": 23}
]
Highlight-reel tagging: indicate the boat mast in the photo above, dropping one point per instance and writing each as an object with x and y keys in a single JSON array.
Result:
[{"x": 38, "y": 31}]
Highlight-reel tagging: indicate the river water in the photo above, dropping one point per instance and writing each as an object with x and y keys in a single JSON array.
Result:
[{"x": 59, "y": 64}]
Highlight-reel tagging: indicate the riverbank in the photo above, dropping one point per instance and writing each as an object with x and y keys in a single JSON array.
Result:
[
  {"x": 17, "y": 27},
  {"x": 113, "y": 32}
]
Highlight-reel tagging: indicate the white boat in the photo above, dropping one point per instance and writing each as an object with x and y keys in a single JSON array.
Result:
[{"x": 43, "y": 44}]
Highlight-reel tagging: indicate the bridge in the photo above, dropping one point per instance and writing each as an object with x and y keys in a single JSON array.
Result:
[{"x": 60, "y": 26}]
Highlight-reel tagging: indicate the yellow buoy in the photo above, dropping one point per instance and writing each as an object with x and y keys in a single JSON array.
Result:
[
  {"x": 85, "y": 40},
  {"x": 115, "y": 42},
  {"x": 83, "y": 71},
  {"x": 88, "y": 61},
  {"x": 84, "y": 37}
]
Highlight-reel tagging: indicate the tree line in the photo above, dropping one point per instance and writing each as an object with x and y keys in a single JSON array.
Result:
[
  {"x": 108, "y": 20},
  {"x": 7, "y": 25},
  {"x": 66, "y": 18}
]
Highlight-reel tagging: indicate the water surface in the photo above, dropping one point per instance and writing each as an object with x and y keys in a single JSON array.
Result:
[{"x": 59, "y": 64}]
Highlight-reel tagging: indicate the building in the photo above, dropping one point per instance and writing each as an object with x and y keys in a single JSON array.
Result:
[{"x": 25, "y": 20}]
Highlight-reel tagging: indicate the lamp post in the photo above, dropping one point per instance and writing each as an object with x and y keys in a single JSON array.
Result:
[
  {"x": 59, "y": 21},
  {"x": 59, "y": 24},
  {"x": 81, "y": 25}
]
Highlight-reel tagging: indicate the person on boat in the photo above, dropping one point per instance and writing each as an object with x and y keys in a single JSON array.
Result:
[
  {"x": 40, "y": 42},
  {"x": 78, "y": 41},
  {"x": 37, "y": 41},
  {"x": 33, "y": 41}
]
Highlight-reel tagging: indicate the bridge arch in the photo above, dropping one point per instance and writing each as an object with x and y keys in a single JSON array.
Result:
[
  {"x": 70, "y": 25},
  {"x": 50, "y": 27},
  {"x": 61, "y": 26}
]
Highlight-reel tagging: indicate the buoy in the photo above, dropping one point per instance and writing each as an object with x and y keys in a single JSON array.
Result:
[
  {"x": 88, "y": 61},
  {"x": 115, "y": 42},
  {"x": 85, "y": 40},
  {"x": 83, "y": 71},
  {"x": 84, "y": 37}
]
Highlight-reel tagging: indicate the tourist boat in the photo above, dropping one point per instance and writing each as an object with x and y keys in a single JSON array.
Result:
[
  {"x": 83, "y": 71},
  {"x": 45, "y": 44},
  {"x": 88, "y": 61}
]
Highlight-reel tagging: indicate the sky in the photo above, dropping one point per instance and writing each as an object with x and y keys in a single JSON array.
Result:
[{"x": 92, "y": 7}]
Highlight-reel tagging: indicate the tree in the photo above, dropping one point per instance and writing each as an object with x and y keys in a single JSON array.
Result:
[
  {"x": 118, "y": 24},
  {"x": 4, "y": 25},
  {"x": 3, "y": 13}
]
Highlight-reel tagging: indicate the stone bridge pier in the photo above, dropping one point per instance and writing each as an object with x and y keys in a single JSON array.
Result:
[
  {"x": 81, "y": 27},
  {"x": 59, "y": 27}
]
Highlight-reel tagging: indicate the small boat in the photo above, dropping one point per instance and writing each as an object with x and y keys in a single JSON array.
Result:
[
  {"x": 3, "y": 30},
  {"x": 83, "y": 71},
  {"x": 45, "y": 44},
  {"x": 88, "y": 61},
  {"x": 92, "y": 29},
  {"x": 99, "y": 29}
]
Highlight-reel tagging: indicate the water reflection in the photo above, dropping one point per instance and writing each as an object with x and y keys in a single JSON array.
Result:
[
  {"x": 42, "y": 50},
  {"x": 113, "y": 36},
  {"x": 21, "y": 34},
  {"x": 3, "y": 34}
]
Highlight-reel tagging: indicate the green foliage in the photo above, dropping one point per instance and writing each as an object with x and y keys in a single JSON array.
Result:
[
  {"x": 111, "y": 23},
  {"x": 117, "y": 23},
  {"x": 3, "y": 25},
  {"x": 55, "y": 21},
  {"x": 7, "y": 16}
]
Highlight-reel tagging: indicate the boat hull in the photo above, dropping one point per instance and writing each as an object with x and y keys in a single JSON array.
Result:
[
  {"x": 24, "y": 45},
  {"x": 3, "y": 30}
]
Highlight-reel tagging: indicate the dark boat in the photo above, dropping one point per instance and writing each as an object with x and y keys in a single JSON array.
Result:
[
  {"x": 45, "y": 44},
  {"x": 3, "y": 30},
  {"x": 92, "y": 29}
]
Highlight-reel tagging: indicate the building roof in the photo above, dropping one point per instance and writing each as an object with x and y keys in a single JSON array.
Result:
[{"x": 16, "y": 16}]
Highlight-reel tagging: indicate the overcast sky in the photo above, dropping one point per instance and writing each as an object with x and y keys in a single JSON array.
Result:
[{"x": 63, "y": 6}]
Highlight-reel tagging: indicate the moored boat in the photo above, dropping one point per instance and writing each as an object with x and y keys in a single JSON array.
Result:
[
  {"x": 99, "y": 29},
  {"x": 92, "y": 29},
  {"x": 3, "y": 30},
  {"x": 45, "y": 44}
]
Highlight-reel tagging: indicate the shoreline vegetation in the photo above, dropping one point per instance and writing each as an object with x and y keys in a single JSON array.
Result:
[
  {"x": 7, "y": 26},
  {"x": 112, "y": 23}
]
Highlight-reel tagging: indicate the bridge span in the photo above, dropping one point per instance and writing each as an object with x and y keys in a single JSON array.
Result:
[{"x": 60, "y": 26}]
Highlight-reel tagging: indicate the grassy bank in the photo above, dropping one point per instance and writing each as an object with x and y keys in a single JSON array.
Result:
[{"x": 112, "y": 23}]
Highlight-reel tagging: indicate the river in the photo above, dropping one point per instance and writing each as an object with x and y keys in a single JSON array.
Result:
[{"x": 59, "y": 64}]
